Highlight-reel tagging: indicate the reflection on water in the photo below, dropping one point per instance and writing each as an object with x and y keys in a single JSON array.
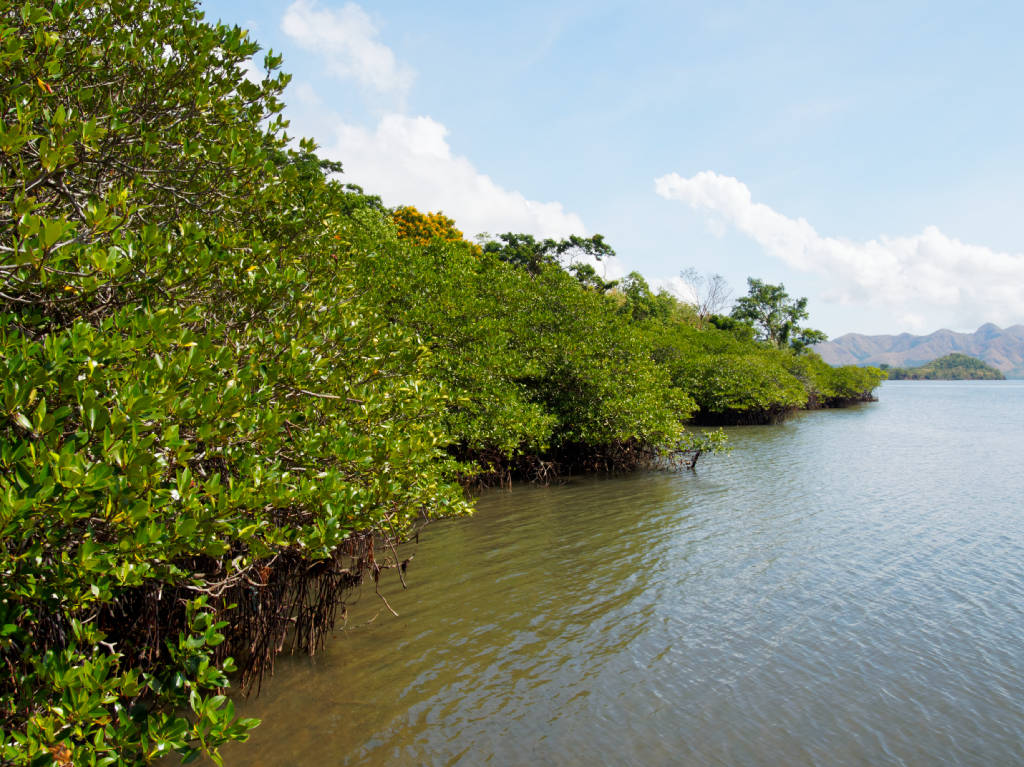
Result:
[{"x": 846, "y": 588}]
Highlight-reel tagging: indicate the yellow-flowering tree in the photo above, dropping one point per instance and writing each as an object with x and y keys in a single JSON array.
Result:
[{"x": 424, "y": 228}]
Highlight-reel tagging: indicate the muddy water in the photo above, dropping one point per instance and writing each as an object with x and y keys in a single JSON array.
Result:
[{"x": 846, "y": 588}]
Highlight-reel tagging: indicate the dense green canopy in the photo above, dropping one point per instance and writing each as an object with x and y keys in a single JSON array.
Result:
[{"x": 194, "y": 399}]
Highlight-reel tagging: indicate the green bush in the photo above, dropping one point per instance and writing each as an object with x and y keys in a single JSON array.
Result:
[{"x": 534, "y": 362}]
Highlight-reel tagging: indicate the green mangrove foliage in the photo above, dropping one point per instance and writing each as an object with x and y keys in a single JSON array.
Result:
[
  {"x": 230, "y": 384},
  {"x": 731, "y": 381},
  {"x": 201, "y": 428},
  {"x": 540, "y": 368},
  {"x": 733, "y": 378},
  {"x": 755, "y": 365}
]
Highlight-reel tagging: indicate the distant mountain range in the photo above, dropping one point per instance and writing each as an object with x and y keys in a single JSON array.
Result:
[{"x": 1002, "y": 349}]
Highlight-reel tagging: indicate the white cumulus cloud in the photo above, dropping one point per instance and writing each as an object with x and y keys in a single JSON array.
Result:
[
  {"x": 921, "y": 278},
  {"x": 405, "y": 159},
  {"x": 346, "y": 39}
]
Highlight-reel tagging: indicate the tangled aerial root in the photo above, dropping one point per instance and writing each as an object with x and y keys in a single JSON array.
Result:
[
  {"x": 498, "y": 470},
  {"x": 286, "y": 603}
]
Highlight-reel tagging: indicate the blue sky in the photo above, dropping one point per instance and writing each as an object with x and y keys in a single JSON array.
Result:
[{"x": 867, "y": 155}]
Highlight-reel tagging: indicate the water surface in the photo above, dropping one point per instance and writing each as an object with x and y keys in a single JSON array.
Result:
[{"x": 845, "y": 588}]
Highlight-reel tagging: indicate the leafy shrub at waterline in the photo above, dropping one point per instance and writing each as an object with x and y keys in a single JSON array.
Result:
[
  {"x": 829, "y": 386},
  {"x": 734, "y": 380},
  {"x": 731, "y": 380},
  {"x": 538, "y": 366},
  {"x": 201, "y": 427}
]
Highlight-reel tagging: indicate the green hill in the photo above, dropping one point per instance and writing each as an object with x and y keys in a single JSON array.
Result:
[{"x": 952, "y": 367}]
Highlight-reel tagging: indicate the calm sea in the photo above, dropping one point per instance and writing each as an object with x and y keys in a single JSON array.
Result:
[{"x": 844, "y": 588}]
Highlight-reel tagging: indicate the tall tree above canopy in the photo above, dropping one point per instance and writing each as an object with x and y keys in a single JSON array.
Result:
[
  {"x": 775, "y": 316},
  {"x": 526, "y": 251},
  {"x": 588, "y": 277},
  {"x": 710, "y": 294}
]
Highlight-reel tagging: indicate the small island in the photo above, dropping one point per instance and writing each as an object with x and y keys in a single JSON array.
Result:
[{"x": 952, "y": 367}]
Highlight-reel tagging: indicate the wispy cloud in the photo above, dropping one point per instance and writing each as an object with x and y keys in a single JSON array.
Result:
[
  {"x": 346, "y": 39},
  {"x": 407, "y": 160},
  {"x": 922, "y": 279}
]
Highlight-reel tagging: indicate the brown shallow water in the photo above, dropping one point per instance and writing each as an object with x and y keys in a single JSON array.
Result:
[{"x": 846, "y": 588}]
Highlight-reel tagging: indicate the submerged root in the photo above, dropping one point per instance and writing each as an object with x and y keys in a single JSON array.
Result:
[
  {"x": 498, "y": 470},
  {"x": 286, "y": 603},
  {"x": 752, "y": 417}
]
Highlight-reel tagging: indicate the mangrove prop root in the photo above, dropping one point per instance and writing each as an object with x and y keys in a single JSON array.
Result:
[
  {"x": 499, "y": 470},
  {"x": 286, "y": 603}
]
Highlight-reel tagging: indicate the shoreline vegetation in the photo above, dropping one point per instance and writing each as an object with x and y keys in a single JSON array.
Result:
[
  {"x": 952, "y": 367},
  {"x": 232, "y": 383}
]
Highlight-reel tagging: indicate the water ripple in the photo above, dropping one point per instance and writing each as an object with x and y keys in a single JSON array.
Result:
[{"x": 846, "y": 588}]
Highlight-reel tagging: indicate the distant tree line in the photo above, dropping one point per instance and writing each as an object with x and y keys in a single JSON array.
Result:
[{"x": 952, "y": 367}]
